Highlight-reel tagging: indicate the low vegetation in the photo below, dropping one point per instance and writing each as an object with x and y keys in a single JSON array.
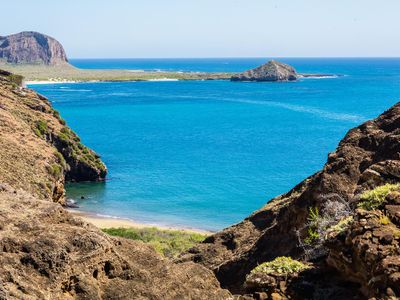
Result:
[
  {"x": 41, "y": 128},
  {"x": 169, "y": 243},
  {"x": 77, "y": 150},
  {"x": 373, "y": 199},
  {"x": 281, "y": 266},
  {"x": 34, "y": 72},
  {"x": 333, "y": 218}
]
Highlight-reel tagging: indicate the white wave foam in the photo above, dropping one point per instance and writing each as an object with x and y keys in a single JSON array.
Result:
[
  {"x": 304, "y": 109},
  {"x": 76, "y": 90},
  {"x": 164, "y": 79}
]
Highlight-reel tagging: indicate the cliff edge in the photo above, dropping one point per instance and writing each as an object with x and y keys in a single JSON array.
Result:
[
  {"x": 31, "y": 47},
  {"x": 39, "y": 151}
]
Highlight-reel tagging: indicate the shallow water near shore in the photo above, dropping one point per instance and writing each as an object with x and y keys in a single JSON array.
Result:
[{"x": 205, "y": 154}]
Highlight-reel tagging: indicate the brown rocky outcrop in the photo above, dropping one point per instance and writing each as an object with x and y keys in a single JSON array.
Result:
[
  {"x": 38, "y": 151},
  {"x": 368, "y": 156},
  {"x": 271, "y": 71},
  {"x": 30, "y": 47},
  {"x": 45, "y": 253}
]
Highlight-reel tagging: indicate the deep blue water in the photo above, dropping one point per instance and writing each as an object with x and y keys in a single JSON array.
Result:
[{"x": 205, "y": 154}]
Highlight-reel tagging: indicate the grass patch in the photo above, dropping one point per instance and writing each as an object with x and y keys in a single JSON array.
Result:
[
  {"x": 281, "y": 266},
  {"x": 169, "y": 243},
  {"x": 372, "y": 199}
]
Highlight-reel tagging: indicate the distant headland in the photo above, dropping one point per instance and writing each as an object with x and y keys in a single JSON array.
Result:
[{"x": 40, "y": 58}]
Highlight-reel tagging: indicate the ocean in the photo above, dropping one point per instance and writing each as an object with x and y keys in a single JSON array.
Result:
[{"x": 206, "y": 154}]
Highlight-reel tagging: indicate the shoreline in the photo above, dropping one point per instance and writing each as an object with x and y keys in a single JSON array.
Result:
[
  {"x": 66, "y": 73},
  {"x": 42, "y": 82},
  {"x": 114, "y": 222}
]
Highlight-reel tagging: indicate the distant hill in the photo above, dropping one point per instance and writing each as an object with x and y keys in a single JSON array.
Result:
[
  {"x": 31, "y": 47},
  {"x": 271, "y": 71}
]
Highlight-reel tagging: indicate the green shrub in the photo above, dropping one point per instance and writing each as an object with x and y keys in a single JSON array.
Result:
[
  {"x": 61, "y": 159},
  {"x": 169, "y": 243},
  {"x": 372, "y": 199},
  {"x": 314, "y": 220},
  {"x": 341, "y": 226},
  {"x": 41, "y": 128},
  {"x": 281, "y": 266},
  {"x": 55, "y": 170},
  {"x": 313, "y": 236}
]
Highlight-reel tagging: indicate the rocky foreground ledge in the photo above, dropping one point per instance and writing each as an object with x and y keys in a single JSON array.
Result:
[{"x": 45, "y": 252}]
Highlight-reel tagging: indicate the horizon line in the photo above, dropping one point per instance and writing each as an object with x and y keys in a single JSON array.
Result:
[{"x": 246, "y": 57}]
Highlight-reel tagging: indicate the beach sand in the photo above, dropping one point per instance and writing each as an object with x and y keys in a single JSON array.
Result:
[{"x": 109, "y": 222}]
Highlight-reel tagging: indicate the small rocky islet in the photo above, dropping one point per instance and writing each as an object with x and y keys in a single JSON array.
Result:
[{"x": 274, "y": 71}]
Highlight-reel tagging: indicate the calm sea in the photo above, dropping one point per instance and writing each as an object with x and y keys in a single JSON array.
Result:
[{"x": 205, "y": 154}]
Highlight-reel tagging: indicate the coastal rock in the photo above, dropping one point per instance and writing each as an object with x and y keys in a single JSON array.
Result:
[
  {"x": 39, "y": 151},
  {"x": 367, "y": 157},
  {"x": 46, "y": 253},
  {"x": 271, "y": 71},
  {"x": 30, "y": 47}
]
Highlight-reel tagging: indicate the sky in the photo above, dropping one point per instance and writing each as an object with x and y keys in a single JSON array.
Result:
[{"x": 211, "y": 28}]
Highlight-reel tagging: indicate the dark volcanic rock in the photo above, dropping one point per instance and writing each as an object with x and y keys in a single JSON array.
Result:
[
  {"x": 271, "y": 71},
  {"x": 30, "y": 47},
  {"x": 367, "y": 157}
]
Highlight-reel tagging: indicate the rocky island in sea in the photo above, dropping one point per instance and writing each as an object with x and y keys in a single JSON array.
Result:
[
  {"x": 274, "y": 71},
  {"x": 271, "y": 71}
]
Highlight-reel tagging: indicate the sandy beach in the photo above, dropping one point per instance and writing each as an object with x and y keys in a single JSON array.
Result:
[{"x": 110, "y": 222}]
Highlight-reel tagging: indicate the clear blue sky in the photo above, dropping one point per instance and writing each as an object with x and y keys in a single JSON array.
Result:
[{"x": 211, "y": 28}]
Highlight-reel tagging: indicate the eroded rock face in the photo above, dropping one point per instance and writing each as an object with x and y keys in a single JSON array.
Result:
[
  {"x": 30, "y": 47},
  {"x": 45, "y": 253},
  {"x": 271, "y": 71},
  {"x": 369, "y": 254},
  {"x": 38, "y": 151},
  {"x": 368, "y": 156}
]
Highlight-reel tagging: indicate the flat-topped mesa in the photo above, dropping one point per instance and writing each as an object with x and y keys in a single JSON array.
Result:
[
  {"x": 31, "y": 47},
  {"x": 271, "y": 71}
]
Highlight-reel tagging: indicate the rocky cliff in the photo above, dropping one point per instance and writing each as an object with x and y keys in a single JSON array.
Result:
[
  {"x": 39, "y": 151},
  {"x": 30, "y": 47},
  {"x": 271, "y": 71},
  {"x": 45, "y": 253},
  {"x": 344, "y": 220}
]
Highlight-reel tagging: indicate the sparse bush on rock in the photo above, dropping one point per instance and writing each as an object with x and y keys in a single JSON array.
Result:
[
  {"x": 282, "y": 265},
  {"x": 372, "y": 199}
]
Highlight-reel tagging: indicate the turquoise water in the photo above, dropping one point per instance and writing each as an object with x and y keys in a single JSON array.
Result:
[{"x": 205, "y": 154}]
